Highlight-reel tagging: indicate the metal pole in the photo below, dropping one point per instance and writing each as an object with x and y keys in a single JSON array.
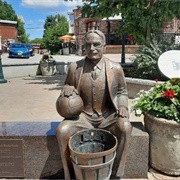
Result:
[
  {"x": 2, "y": 80},
  {"x": 123, "y": 46},
  {"x": 123, "y": 50}
]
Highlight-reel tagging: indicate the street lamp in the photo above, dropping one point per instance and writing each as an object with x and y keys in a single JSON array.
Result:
[
  {"x": 123, "y": 46},
  {"x": 2, "y": 80}
]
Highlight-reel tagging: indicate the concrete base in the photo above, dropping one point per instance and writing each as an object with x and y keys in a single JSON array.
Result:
[
  {"x": 118, "y": 49},
  {"x": 30, "y": 69},
  {"x": 135, "y": 85},
  {"x": 41, "y": 154},
  {"x": 137, "y": 164}
]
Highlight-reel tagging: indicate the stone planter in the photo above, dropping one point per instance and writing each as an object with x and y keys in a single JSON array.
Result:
[
  {"x": 135, "y": 85},
  {"x": 47, "y": 68},
  {"x": 164, "y": 144}
]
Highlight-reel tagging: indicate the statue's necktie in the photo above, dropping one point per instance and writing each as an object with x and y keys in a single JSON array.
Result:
[{"x": 94, "y": 72}]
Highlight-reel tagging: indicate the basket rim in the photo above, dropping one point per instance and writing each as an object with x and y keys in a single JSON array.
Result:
[{"x": 97, "y": 154}]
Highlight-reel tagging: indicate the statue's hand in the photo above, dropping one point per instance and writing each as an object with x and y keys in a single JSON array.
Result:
[
  {"x": 68, "y": 90},
  {"x": 123, "y": 112}
]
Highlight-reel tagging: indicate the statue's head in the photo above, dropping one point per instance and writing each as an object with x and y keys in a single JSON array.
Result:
[{"x": 94, "y": 42}]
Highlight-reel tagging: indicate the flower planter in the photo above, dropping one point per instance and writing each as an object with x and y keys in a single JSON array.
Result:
[
  {"x": 164, "y": 144},
  {"x": 135, "y": 85},
  {"x": 47, "y": 68}
]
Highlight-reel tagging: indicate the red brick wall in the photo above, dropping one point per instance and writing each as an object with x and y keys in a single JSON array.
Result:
[
  {"x": 81, "y": 27},
  {"x": 8, "y": 31}
]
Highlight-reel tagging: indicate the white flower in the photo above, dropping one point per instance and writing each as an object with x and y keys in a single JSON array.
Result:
[{"x": 138, "y": 112}]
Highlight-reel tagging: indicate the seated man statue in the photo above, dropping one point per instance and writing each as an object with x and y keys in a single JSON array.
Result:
[{"x": 101, "y": 85}]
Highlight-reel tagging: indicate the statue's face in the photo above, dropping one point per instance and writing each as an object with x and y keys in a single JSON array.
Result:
[{"x": 94, "y": 45}]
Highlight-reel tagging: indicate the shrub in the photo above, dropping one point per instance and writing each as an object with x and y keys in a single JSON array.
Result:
[
  {"x": 162, "y": 101},
  {"x": 145, "y": 62}
]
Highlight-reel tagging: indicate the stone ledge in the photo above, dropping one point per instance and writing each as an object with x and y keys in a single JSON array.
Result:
[
  {"x": 42, "y": 159},
  {"x": 118, "y": 48},
  {"x": 14, "y": 70},
  {"x": 135, "y": 85}
]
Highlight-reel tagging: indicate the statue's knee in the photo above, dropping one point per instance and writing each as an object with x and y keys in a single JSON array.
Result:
[
  {"x": 125, "y": 126},
  {"x": 128, "y": 126},
  {"x": 63, "y": 130}
]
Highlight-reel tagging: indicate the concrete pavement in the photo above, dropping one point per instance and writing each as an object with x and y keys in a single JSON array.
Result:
[
  {"x": 33, "y": 99},
  {"x": 30, "y": 99}
]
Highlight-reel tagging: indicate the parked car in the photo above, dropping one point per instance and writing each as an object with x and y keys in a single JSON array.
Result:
[
  {"x": 31, "y": 49},
  {"x": 18, "y": 50}
]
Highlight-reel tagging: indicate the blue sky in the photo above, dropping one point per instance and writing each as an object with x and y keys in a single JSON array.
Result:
[{"x": 35, "y": 12}]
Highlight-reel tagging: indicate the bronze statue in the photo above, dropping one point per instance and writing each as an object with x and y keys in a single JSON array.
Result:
[{"x": 101, "y": 85}]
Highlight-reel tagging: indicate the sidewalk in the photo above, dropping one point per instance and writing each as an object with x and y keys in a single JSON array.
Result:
[{"x": 33, "y": 99}]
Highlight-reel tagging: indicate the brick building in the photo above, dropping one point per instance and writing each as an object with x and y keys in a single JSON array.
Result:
[
  {"x": 107, "y": 26},
  {"x": 8, "y": 32},
  {"x": 79, "y": 26}
]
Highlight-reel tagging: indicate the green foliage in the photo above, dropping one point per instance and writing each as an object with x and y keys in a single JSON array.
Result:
[
  {"x": 7, "y": 13},
  {"x": 53, "y": 32},
  {"x": 162, "y": 101},
  {"x": 23, "y": 37},
  {"x": 37, "y": 41},
  {"x": 145, "y": 64},
  {"x": 141, "y": 17},
  {"x": 47, "y": 58}
]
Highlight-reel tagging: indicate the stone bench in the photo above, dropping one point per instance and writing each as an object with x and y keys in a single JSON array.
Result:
[{"x": 41, "y": 154}]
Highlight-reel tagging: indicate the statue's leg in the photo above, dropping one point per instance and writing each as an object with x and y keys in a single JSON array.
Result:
[
  {"x": 64, "y": 131},
  {"x": 122, "y": 130}
]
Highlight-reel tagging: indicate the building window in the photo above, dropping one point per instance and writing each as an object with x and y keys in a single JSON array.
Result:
[{"x": 92, "y": 25}]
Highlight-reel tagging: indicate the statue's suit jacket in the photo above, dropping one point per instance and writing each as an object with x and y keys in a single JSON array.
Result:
[{"x": 115, "y": 80}]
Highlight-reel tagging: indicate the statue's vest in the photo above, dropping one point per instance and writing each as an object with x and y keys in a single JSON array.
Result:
[{"x": 94, "y": 92}]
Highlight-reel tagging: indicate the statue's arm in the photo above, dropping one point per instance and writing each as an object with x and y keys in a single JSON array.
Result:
[
  {"x": 122, "y": 94},
  {"x": 69, "y": 88}
]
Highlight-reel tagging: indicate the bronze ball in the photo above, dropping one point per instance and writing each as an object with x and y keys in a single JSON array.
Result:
[{"x": 69, "y": 106}]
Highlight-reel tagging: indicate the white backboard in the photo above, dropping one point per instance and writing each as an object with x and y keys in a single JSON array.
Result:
[{"x": 169, "y": 63}]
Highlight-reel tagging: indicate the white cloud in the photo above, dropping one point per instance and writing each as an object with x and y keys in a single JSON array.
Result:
[
  {"x": 49, "y": 4},
  {"x": 29, "y": 22},
  {"x": 41, "y": 21},
  {"x": 73, "y": 3},
  {"x": 40, "y": 3}
]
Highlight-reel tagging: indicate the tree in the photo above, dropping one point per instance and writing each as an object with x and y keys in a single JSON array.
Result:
[
  {"x": 7, "y": 13},
  {"x": 141, "y": 17},
  {"x": 22, "y": 36},
  {"x": 37, "y": 41},
  {"x": 54, "y": 28}
]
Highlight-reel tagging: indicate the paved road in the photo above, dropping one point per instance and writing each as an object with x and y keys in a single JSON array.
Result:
[{"x": 59, "y": 58}]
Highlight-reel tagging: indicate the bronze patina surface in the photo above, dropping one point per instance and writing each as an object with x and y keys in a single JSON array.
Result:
[
  {"x": 101, "y": 85},
  {"x": 11, "y": 158}
]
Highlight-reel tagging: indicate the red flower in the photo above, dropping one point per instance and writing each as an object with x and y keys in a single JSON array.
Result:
[
  {"x": 156, "y": 79},
  {"x": 168, "y": 94}
]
